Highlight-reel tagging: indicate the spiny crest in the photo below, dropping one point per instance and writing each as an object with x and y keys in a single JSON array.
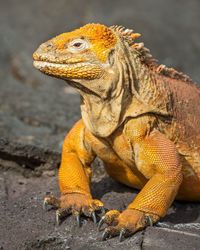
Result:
[
  {"x": 145, "y": 55},
  {"x": 127, "y": 34},
  {"x": 148, "y": 59},
  {"x": 130, "y": 36},
  {"x": 170, "y": 72}
]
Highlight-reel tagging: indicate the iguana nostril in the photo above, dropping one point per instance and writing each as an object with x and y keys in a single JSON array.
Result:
[{"x": 50, "y": 46}]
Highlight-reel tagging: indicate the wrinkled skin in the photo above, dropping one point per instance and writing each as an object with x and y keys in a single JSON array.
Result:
[{"x": 137, "y": 116}]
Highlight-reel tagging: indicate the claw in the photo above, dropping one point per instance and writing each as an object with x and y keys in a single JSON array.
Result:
[
  {"x": 149, "y": 221},
  {"x": 105, "y": 235},
  {"x": 58, "y": 218},
  {"x": 94, "y": 217},
  {"x": 51, "y": 202},
  {"x": 78, "y": 219},
  {"x": 121, "y": 235},
  {"x": 101, "y": 222},
  {"x": 45, "y": 205}
]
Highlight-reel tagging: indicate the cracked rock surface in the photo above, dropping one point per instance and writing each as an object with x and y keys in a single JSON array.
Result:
[{"x": 36, "y": 112}]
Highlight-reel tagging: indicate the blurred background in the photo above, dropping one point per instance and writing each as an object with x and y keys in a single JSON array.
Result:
[{"x": 36, "y": 109}]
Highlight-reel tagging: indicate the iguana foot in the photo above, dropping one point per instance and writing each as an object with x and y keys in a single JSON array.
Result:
[
  {"x": 126, "y": 223},
  {"x": 74, "y": 203}
]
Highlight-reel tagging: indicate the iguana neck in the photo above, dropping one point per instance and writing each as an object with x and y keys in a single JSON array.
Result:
[
  {"x": 132, "y": 92},
  {"x": 149, "y": 94}
]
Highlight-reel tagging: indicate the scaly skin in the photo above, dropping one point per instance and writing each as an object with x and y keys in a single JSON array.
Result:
[{"x": 140, "y": 118}]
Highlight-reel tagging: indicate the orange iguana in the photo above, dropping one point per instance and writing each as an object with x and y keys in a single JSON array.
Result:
[{"x": 142, "y": 119}]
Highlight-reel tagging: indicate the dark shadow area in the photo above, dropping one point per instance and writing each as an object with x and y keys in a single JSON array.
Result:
[
  {"x": 107, "y": 185},
  {"x": 184, "y": 212}
]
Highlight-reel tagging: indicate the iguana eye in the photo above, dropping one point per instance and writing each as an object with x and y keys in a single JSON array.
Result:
[{"x": 78, "y": 45}]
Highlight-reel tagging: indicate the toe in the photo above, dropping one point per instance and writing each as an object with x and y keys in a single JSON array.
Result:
[
  {"x": 75, "y": 204},
  {"x": 111, "y": 231},
  {"x": 109, "y": 218},
  {"x": 119, "y": 230},
  {"x": 87, "y": 211},
  {"x": 51, "y": 202},
  {"x": 61, "y": 213},
  {"x": 98, "y": 205}
]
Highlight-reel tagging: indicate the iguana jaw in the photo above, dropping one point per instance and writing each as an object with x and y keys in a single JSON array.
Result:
[
  {"x": 69, "y": 71},
  {"x": 80, "y": 75}
]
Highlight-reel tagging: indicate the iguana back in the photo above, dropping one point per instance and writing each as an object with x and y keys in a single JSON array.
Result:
[{"x": 185, "y": 98}]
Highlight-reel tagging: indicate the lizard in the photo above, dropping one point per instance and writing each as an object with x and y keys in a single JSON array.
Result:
[{"x": 140, "y": 118}]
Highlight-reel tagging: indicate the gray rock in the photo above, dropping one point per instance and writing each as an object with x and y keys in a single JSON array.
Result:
[{"x": 165, "y": 238}]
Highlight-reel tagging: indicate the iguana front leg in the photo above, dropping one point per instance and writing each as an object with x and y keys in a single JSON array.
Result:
[
  {"x": 157, "y": 159},
  {"x": 74, "y": 178}
]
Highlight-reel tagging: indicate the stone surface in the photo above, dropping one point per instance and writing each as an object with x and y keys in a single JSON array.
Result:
[
  {"x": 36, "y": 111},
  {"x": 165, "y": 238},
  {"x": 29, "y": 156}
]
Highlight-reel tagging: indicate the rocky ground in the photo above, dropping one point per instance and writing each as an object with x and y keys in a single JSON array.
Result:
[
  {"x": 25, "y": 225},
  {"x": 37, "y": 111}
]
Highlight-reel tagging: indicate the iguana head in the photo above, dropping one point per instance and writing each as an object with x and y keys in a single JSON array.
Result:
[
  {"x": 84, "y": 57},
  {"x": 108, "y": 68}
]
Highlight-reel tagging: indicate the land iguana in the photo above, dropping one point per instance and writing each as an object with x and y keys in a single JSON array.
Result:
[{"x": 140, "y": 118}]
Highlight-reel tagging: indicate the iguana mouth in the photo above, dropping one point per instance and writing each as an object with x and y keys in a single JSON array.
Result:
[
  {"x": 44, "y": 64},
  {"x": 79, "y": 70}
]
